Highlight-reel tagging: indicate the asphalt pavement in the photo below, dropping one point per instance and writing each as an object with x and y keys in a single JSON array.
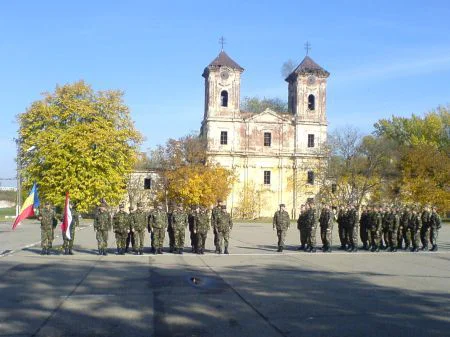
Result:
[{"x": 254, "y": 291}]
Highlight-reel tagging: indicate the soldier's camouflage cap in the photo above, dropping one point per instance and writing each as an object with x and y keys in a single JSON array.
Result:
[
  {"x": 140, "y": 204},
  {"x": 282, "y": 205},
  {"x": 122, "y": 205}
]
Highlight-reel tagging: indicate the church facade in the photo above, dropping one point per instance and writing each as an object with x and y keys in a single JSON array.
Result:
[{"x": 275, "y": 156}]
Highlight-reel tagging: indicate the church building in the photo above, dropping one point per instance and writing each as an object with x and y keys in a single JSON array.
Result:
[{"x": 275, "y": 156}]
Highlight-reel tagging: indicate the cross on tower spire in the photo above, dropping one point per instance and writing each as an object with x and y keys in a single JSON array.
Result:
[
  {"x": 222, "y": 41},
  {"x": 307, "y": 47}
]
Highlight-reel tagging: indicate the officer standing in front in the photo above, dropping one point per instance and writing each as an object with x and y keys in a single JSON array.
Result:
[
  {"x": 139, "y": 222},
  {"x": 121, "y": 227},
  {"x": 281, "y": 223}
]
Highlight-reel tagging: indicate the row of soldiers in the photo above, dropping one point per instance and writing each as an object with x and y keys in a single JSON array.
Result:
[
  {"x": 379, "y": 227},
  {"x": 158, "y": 222}
]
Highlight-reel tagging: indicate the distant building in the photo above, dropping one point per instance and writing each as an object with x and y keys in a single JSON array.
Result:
[
  {"x": 141, "y": 187},
  {"x": 274, "y": 155},
  {"x": 5, "y": 188}
]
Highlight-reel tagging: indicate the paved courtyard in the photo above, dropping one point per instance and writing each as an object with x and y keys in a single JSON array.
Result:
[{"x": 254, "y": 291}]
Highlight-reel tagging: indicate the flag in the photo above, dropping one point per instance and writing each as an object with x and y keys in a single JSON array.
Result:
[
  {"x": 67, "y": 219},
  {"x": 27, "y": 210}
]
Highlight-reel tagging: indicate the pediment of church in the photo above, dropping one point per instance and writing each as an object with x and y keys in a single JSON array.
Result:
[{"x": 267, "y": 116}]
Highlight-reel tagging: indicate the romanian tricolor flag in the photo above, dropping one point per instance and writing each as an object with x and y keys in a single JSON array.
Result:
[
  {"x": 67, "y": 219},
  {"x": 28, "y": 207}
]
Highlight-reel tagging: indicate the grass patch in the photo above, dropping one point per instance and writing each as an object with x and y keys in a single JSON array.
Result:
[
  {"x": 7, "y": 211},
  {"x": 8, "y": 195}
]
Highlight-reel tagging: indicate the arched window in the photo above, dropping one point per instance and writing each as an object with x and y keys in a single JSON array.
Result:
[
  {"x": 311, "y": 102},
  {"x": 224, "y": 98},
  {"x": 311, "y": 177}
]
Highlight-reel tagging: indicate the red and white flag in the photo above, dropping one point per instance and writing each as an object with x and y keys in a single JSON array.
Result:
[{"x": 67, "y": 220}]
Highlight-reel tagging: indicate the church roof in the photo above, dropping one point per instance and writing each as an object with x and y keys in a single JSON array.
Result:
[
  {"x": 223, "y": 60},
  {"x": 307, "y": 66}
]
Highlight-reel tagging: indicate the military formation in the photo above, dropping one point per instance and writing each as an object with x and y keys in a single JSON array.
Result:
[{"x": 376, "y": 227}]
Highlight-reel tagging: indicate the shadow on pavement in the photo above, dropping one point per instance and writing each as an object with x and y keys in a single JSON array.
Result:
[{"x": 144, "y": 298}]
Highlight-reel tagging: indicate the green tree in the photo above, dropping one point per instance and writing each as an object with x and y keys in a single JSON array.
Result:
[
  {"x": 79, "y": 141},
  {"x": 257, "y": 105},
  {"x": 432, "y": 129}
]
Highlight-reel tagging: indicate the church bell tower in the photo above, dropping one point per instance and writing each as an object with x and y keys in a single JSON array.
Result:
[{"x": 222, "y": 87}]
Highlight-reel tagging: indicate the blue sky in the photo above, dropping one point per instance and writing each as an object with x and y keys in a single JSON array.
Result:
[{"x": 385, "y": 57}]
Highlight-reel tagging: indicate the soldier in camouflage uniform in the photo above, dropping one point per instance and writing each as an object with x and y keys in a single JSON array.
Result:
[
  {"x": 102, "y": 225},
  {"x": 281, "y": 223},
  {"x": 404, "y": 220},
  {"x": 158, "y": 225},
  {"x": 312, "y": 222},
  {"x": 413, "y": 230},
  {"x": 216, "y": 210},
  {"x": 351, "y": 229},
  {"x": 130, "y": 235},
  {"x": 375, "y": 221},
  {"x": 425, "y": 230},
  {"x": 341, "y": 227},
  {"x": 435, "y": 225},
  {"x": 68, "y": 243},
  {"x": 179, "y": 220},
  {"x": 121, "y": 227},
  {"x": 170, "y": 229},
  {"x": 224, "y": 225},
  {"x": 391, "y": 227},
  {"x": 301, "y": 226},
  {"x": 202, "y": 225},
  {"x": 326, "y": 221},
  {"x": 191, "y": 221},
  {"x": 139, "y": 222},
  {"x": 47, "y": 216},
  {"x": 364, "y": 228}
]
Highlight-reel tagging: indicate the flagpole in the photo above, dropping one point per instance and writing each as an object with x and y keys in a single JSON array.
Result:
[{"x": 19, "y": 182}]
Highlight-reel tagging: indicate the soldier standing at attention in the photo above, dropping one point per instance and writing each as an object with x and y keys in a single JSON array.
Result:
[
  {"x": 47, "y": 217},
  {"x": 404, "y": 224},
  {"x": 341, "y": 227},
  {"x": 179, "y": 220},
  {"x": 224, "y": 225},
  {"x": 170, "y": 229},
  {"x": 121, "y": 227},
  {"x": 326, "y": 220},
  {"x": 301, "y": 226},
  {"x": 216, "y": 210},
  {"x": 425, "y": 230},
  {"x": 388, "y": 224},
  {"x": 435, "y": 225},
  {"x": 281, "y": 223},
  {"x": 130, "y": 235},
  {"x": 102, "y": 225},
  {"x": 191, "y": 220},
  {"x": 374, "y": 229},
  {"x": 139, "y": 222},
  {"x": 414, "y": 226},
  {"x": 352, "y": 229},
  {"x": 157, "y": 225},
  {"x": 363, "y": 228},
  {"x": 312, "y": 222},
  {"x": 68, "y": 243},
  {"x": 202, "y": 225}
]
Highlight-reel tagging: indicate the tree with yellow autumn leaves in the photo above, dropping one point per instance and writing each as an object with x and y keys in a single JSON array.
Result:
[
  {"x": 186, "y": 176},
  {"x": 79, "y": 141}
]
